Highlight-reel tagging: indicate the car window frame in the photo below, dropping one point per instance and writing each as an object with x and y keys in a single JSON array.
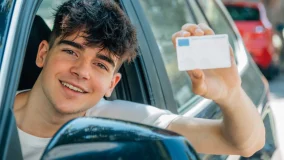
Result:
[
  {"x": 194, "y": 100},
  {"x": 14, "y": 51},
  {"x": 136, "y": 73},
  {"x": 152, "y": 59},
  {"x": 6, "y": 28}
]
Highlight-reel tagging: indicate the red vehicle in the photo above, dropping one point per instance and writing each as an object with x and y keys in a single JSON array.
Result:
[{"x": 257, "y": 32}]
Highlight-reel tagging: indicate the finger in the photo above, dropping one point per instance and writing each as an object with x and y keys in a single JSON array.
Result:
[
  {"x": 194, "y": 29},
  {"x": 198, "y": 82},
  {"x": 206, "y": 29},
  {"x": 181, "y": 33},
  {"x": 189, "y": 27},
  {"x": 198, "y": 32},
  {"x": 233, "y": 61}
]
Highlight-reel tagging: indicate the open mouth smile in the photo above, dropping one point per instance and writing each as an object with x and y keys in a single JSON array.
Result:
[{"x": 73, "y": 88}]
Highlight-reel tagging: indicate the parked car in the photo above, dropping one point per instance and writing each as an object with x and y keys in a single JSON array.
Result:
[
  {"x": 257, "y": 32},
  {"x": 153, "y": 78}
]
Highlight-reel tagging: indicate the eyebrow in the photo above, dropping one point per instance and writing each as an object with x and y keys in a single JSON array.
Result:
[
  {"x": 71, "y": 43},
  {"x": 81, "y": 47},
  {"x": 105, "y": 58}
]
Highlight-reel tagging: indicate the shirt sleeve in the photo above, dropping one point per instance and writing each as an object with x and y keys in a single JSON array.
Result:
[
  {"x": 133, "y": 112},
  {"x": 165, "y": 120}
]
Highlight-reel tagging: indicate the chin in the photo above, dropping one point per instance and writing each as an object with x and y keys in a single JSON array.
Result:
[{"x": 68, "y": 110}]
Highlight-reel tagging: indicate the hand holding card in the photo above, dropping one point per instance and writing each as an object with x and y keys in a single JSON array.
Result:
[{"x": 209, "y": 61}]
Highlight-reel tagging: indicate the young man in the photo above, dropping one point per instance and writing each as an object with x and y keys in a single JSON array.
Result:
[{"x": 89, "y": 42}]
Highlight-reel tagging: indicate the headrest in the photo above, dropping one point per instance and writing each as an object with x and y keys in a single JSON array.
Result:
[{"x": 40, "y": 31}]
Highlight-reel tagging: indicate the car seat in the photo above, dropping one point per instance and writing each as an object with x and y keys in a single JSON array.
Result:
[{"x": 40, "y": 31}]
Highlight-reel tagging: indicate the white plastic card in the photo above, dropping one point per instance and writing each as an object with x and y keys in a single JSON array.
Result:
[{"x": 203, "y": 52}]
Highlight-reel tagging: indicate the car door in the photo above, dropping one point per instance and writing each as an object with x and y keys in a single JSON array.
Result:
[
  {"x": 16, "y": 19},
  {"x": 165, "y": 17}
]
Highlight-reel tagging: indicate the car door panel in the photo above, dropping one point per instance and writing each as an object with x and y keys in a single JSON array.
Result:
[
  {"x": 150, "y": 58},
  {"x": 250, "y": 75},
  {"x": 17, "y": 37}
]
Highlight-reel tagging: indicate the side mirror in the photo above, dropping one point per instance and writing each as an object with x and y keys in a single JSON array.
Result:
[{"x": 100, "y": 138}]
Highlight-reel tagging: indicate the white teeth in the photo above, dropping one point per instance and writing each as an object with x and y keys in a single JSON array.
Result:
[{"x": 72, "y": 87}]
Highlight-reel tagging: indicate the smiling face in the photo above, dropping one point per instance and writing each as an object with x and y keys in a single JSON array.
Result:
[{"x": 75, "y": 76}]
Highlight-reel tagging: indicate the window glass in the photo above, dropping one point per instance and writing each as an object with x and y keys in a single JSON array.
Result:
[
  {"x": 240, "y": 13},
  {"x": 198, "y": 13},
  {"x": 5, "y": 18},
  {"x": 219, "y": 22},
  {"x": 47, "y": 9},
  {"x": 167, "y": 17}
]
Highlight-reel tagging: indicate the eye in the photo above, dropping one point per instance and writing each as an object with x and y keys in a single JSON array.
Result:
[
  {"x": 68, "y": 51},
  {"x": 102, "y": 66}
]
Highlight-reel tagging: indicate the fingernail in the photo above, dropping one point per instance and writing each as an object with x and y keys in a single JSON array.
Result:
[
  {"x": 198, "y": 30},
  {"x": 184, "y": 33}
]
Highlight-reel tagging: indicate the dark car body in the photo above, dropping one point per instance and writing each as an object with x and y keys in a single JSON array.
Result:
[
  {"x": 257, "y": 32},
  {"x": 111, "y": 139},
  {"x": 152, "y": 78}
]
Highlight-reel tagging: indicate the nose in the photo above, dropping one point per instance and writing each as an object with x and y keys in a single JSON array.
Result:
[{"x": 81, "y": 69}]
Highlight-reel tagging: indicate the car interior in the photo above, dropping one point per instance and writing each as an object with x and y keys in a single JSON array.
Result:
[{"x": 39, "y": 32}]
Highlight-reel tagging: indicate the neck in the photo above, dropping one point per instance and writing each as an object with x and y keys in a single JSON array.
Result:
[{"x": 37, "y": 116}]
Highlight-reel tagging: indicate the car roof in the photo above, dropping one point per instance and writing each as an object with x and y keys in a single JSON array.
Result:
[{"x": 243, "y": 4}]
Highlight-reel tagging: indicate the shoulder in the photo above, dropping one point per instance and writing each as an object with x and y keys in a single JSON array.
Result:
[
  {"x": 121, "y": 107},
  {"x": 131, "y": 111},
  {"x": 20, "y": 99}
]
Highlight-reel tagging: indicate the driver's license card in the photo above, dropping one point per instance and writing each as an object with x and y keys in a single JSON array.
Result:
[{"x": 203, "y": 52}]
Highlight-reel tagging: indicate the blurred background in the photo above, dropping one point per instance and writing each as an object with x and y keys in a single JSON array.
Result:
[
  {"x": 245, "y": 13},
  {"x": 261, "y": 26}
]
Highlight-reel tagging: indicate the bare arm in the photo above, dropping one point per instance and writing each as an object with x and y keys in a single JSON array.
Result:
[{"x": 241, "y": 132}]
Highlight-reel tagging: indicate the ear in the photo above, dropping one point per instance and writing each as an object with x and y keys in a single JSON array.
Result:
[
  {"x": 116, "y": 78},
  {"x": 42, "y": 53}
]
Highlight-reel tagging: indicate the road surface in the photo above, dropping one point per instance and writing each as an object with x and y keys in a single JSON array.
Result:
[{"x": 277, "y": 107}]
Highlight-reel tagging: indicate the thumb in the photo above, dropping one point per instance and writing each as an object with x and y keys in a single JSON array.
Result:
[{"x": 198, "y": 82}]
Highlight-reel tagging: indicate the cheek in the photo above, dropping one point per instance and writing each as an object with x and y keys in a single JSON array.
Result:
[
  {"x": 101, "y": 83},
  {"x": 61, "y": 62},
  {"x": 57, "y": 64}
]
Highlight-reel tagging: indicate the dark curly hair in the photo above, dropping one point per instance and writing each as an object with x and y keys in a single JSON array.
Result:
[{"x": 103, "y": 23}]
